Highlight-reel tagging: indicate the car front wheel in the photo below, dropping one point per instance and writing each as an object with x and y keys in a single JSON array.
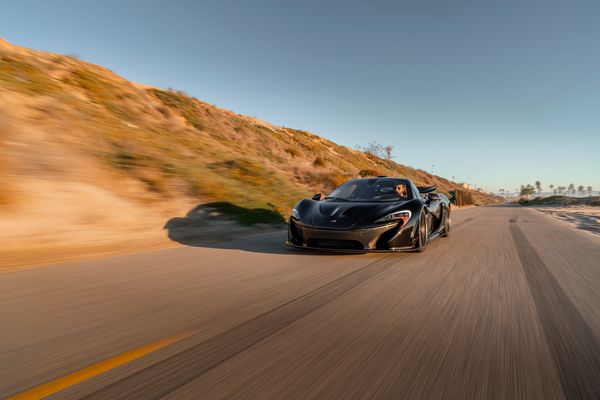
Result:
[{"x": 422, "y": 234}]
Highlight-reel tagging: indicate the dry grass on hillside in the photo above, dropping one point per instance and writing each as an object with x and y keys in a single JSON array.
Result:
[{"x": 65, "y": 121}]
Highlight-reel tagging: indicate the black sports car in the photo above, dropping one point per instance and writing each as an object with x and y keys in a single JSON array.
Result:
[{"x": 371, "y": 214}]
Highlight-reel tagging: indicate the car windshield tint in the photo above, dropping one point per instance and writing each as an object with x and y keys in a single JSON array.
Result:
[{"x": 376, "y": 189}]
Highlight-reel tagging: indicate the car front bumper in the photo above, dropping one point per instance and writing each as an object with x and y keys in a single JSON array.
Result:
[{"x": 374, "y": 239}]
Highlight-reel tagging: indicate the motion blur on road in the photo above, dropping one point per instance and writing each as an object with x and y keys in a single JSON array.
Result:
[
  {"x": 151, "y": 156},
  {"x": 507, "y": 307}
]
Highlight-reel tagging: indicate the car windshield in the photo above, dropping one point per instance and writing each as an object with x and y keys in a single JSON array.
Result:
[{"x": 374, "y": 189}]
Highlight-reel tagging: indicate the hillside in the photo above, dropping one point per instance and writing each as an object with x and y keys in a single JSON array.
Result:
[{"x": 82, "y": 146}]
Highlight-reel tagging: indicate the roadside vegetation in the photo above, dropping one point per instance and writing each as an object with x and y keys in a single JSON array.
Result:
[
  {"x": 537, "y": 190},
  {"x": 536, "y": 195},
  {"x": 170, "y": 144},
  {"x": 377, "y": 149},
  {"x": 245, "y": 216},
  {"x": 593, "y": 201}
]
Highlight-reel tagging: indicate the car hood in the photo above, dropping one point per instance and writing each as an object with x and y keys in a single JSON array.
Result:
[{"x": 348, "y": 215}]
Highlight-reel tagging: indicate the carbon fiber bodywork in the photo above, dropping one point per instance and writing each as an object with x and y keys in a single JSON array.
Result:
[
  {"x": 357, "y": 226},
  {"x": 389, "y": 237}
]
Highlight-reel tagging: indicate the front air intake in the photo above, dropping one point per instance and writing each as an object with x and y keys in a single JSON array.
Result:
[{"x": 335, "y": 244}]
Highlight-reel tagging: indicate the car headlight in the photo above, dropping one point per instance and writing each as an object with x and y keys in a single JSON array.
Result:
[
  {"x": 295, "y": 214},
  {"x": 403, "y": 216}
]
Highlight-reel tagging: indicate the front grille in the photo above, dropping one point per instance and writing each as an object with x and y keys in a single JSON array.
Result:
[{"x": 335, "y": 244}]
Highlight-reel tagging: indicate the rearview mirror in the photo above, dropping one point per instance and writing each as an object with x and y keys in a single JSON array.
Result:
[
  {"x": 318, "y": 197},
  {"x": 434, "y": 197}
]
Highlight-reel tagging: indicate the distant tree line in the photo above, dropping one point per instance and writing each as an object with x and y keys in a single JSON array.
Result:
[{"x": 529, "y": 190}]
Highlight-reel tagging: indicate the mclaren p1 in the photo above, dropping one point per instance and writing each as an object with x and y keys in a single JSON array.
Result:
[{"x": 370, "y": 215}]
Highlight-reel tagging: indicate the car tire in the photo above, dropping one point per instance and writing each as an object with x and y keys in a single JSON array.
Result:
[
  {"x": 422, "y": 236},
  {"x": 447, "y": 223}
]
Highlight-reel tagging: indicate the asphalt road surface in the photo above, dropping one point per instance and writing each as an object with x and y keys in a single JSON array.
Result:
[{"x": 507, "y": 307}]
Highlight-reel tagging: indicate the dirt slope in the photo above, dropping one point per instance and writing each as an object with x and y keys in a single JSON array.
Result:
[{"x": 87, "y": 156}]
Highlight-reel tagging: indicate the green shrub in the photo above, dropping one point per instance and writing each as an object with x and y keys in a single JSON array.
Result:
[
  {"x": 365, "y": 173},
  {"x": 293, "y": 152},
  {"x": 241, "y": 169},
  {"x": 319, "y": 162},
  {"x": 246, "y": 216},
  {"x": 122, "y": 159}
]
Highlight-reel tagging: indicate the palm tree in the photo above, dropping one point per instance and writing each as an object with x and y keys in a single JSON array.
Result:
[
  {"x": 589, "y": 190},
  {"x": 551, "y": 187},
  {"x": 572, "y": 188},
  {"x": 580, "y": 189},
  {"x": 527, "y": 191},
  {"x": 538, "y": 186}
]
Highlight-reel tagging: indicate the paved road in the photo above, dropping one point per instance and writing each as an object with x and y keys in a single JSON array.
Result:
[{"x": 508, "y": 307}]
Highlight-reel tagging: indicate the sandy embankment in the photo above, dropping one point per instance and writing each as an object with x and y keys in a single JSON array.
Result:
[
  {"x": 65, "y": 221},
  {"x": 583, "y": 217},
  {"x": 57, "y": 220}
]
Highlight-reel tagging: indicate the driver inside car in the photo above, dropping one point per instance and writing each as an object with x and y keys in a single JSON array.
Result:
[{"x": 401, "y": 190}]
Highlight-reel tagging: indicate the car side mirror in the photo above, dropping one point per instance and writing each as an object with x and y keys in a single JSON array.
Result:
[
  {"x": 318, "y": 197},
  {"x": 434, "y": 197}
]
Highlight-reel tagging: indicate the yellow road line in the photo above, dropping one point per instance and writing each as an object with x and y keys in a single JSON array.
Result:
[{"x": 66, "y": 381}]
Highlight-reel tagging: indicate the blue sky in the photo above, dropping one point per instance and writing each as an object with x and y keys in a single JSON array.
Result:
[{"x": 493, "y": 93}]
